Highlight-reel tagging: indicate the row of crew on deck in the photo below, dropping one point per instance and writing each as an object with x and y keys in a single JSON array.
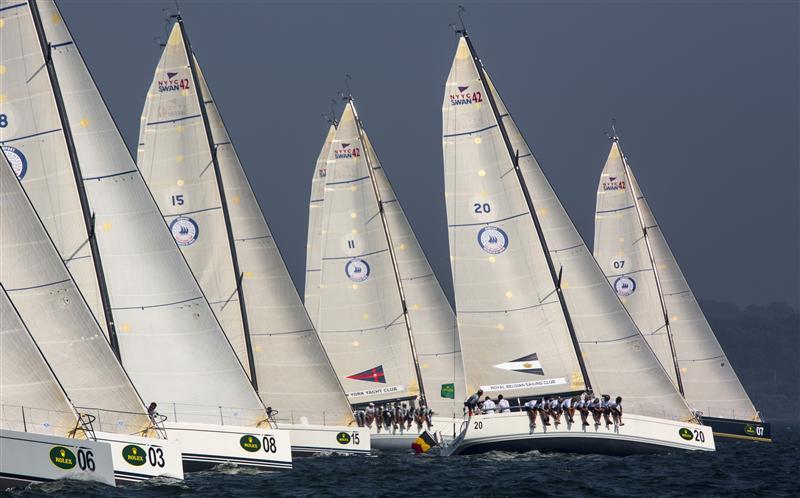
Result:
[
  {"x": 394, "y": 417},
  {"x": 547, "y": 408}
]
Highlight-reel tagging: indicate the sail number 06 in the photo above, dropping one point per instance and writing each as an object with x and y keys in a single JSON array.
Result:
[{"x": 86, "y": 460}]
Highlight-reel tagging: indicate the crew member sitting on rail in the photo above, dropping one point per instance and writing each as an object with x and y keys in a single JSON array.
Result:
[
  {"x": 616, "y": 410},
  {"x": 606, "y": 409},
  {"x": 471, "y": 404},
  {"x": 428, "y": 417},
  {"x": 409, "y": 416},
  {"x": 594, "y": 407},
  {"x": 369, "y": 414},
  {"x": 488, "y": 406},
  {"x": 568, "y": 409},
  {"x": 388, "y": 416},
  {"x": 502, "y": 404},
  {"x": 530, "y": 407},
  {"x": 419, "y": 417},
  {"x": 360, "y": 416},
  {"x": 555, "y": 410},
  {"x": 544, "y": 410},
  {"x": 583, "y": 408}
]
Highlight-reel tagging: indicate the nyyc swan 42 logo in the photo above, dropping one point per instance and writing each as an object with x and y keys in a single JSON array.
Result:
[
  {"x": 134, "y": 455},
  {"x": 19, "y": 163},
  {"x": 185, "y": 230},
  {"x": 614, "y": 183},
  {"x": 63, "y": 458},
  {"x": 346, "y": 152},
  {"x": 357, "y": 270},
  {"x": 465, "y": 96},
  {"x": 493, "y": 240},
  {"x": 625, "y": 286},
  {"x": 172, "y": 83},
  {"x": 343, "y": 438},
  {"x": 250, "y": 443}
]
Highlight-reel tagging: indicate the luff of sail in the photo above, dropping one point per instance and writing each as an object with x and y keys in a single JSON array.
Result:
[
  {"x": 482, "y": 148},
  {"x": 58, "y": 318},
  {"x": 169, "y": 339},
  {"x": 271, "y": 330},
  {"x": 314, "y": 245},
  {"x": 628, "y": 241},
  {"x": 30, "y": 397}
]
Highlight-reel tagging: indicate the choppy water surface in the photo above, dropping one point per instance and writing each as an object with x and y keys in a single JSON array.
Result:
[{"x": 736, "y": 469}]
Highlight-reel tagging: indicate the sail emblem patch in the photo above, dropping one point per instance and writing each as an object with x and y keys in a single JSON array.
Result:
[
  {"x": 17, "y": 159},
  {"x": 527, "y": 364},
  {"x": 465, "y": 97},
  {"x": 357, "y": 270},
  {"x": 492, "y": 240},
  {"x": 372, "y": 375},
  {"x": 185, "y": 230},
  {"x": 346, "y": 152},
  {"x": 62, "y": 457},
  {"x": 614, "y": 183},
  {"x": 625, "y": 286}
]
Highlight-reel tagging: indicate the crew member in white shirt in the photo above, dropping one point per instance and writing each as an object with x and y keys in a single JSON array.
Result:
[
  {"x": 502, "y": 404},
  {"x": 488, "y": 407}
]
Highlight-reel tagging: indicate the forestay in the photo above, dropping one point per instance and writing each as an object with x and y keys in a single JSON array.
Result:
[
  {"x": 58, "y": 318},
  {"x": 628, "y": 241},
  {"x": 26, "y": 382},
  {"x": 170, "y": 341},
  {"x": 504, "y": 283},
  {"x": 314, "y": 245},
  {"x": 187, "y": 158}
]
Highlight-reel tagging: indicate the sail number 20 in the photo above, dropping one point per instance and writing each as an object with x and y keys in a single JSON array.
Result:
[{"x": 481, "y": 207}]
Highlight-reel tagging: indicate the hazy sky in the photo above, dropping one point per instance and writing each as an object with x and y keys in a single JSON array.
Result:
[{"x": 705, "y": 95}]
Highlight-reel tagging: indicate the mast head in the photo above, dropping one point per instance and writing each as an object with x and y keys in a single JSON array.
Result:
[{"x": 612, "y": 135}]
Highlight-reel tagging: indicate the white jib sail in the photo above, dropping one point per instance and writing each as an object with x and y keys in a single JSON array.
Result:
[
  {"x": 171, "y": 344},
  {"x": 292, "y": 371},
  {"x": 502, "y": 282},
  {"x": 30, "y": 398},
  {"x": 623, "y": 250},
  {"x": 58, "y": 318},
  {"x": 315, "y": 234}
]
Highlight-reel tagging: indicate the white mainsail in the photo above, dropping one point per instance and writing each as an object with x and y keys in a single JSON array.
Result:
[
  {"x": 30, "y": 397},
  {"x": 512, "y": 246},
  {"x": 379, "y": 349},
  {"x": 314, "y": 246},
  {"x": 169, "y": 340},
  {"x": 628, "y": 242},
  {"x": 198, "y": 181},
  {"x": 58, "y": 318}
]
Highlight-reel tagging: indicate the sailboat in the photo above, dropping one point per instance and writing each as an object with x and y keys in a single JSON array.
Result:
[
  {"x": 633, "y": 252},
  {"x": 203, "y": 192},
  {"x": 380, "y": 312},
  {"x": 41, "y": 435},
  {"x": 536, "y": 316},
  {"x": 108, "y": 230}
]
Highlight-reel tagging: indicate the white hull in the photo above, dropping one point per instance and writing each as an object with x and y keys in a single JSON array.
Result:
[
  {"x": 398, "y": 440},
  {"x": 26, "y": 457},
  {"x": 512, "y": 432},
  {"x": 140, "y": 458},
  {"x": 309, "y": 440},
  {"x": 204, "y": 446}
]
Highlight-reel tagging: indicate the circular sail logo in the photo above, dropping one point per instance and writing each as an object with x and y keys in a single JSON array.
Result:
[
  {"x": 17, "y": 159},
  {"x": 134, "y": 455},
  {"x": 492, "y": 240},
  {"x": 250, "y": 443},
  {"x": 686, "y": 434},
  {"x": 357, "y": 270},
  {"x": 185, "y": 230},
  {"x": 625, "y": 286},
  {"x": 62, "y": 457},
  {"x": 343, "y": 438}
]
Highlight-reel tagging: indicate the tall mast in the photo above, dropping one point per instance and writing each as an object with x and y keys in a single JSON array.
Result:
[
  {"x": 664, "y": 312},
  {"x": 392, "y": 255},
  {"x": 88, "y": 216},
  {"x": 238, "y": 275},
  {"x": 514, "y": 156}
]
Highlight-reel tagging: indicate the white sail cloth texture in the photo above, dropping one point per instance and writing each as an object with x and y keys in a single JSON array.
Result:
[
  {"x": 627, "y": 242},
  {"x": 171, "y": 344},
  {"x": 59, "y": 319},
  {"x": 179, "y": 160},
  {"x": 513, "y": 328},
  {"x": 30, "y": 398}
]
